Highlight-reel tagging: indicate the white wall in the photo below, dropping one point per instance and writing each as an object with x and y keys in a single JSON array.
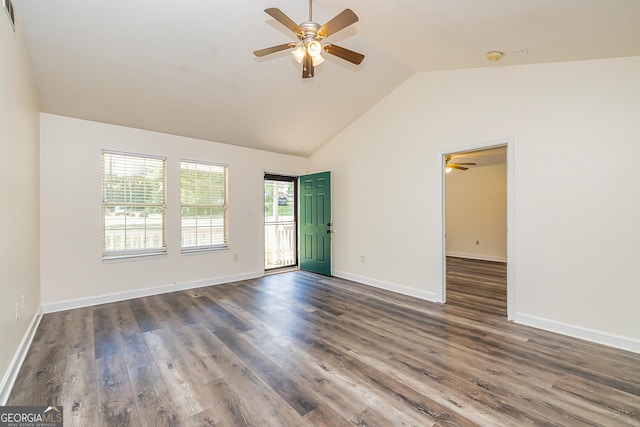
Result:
[
  {"x": 72, "y": 268},
  {"x": 576, "y": 130},
  {"x": 476, "y": 210},
  {"x": 19, "y": 197}
]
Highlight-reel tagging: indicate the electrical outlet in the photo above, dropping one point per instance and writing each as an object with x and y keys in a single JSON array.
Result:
[
  {"x": 235, "y": 257},
  {"x": 477, "y": 242},
  {"x": 361, "y": 258}
]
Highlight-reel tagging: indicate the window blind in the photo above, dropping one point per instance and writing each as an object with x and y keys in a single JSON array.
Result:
[
  {"x": 133, "y": 205},
  {"x": 203, "y": 194}
]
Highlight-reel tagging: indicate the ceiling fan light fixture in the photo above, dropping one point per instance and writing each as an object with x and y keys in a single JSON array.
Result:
[
  {"x": 299, "y": 53},
  {"x": 317, "y": 60},
  {"x": 447, "y": 169},
  {"x": 314, "y": 48}
]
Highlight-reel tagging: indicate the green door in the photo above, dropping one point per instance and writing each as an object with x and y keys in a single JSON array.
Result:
[{"x": 315, "y": 223}]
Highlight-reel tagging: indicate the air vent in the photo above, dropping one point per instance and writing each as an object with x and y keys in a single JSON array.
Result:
[{"x": 8, "y": 6}]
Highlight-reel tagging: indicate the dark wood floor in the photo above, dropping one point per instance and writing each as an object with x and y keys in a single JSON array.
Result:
[
  {"x": 479, "y": 286},
  {"x": 299, "y": 349}
]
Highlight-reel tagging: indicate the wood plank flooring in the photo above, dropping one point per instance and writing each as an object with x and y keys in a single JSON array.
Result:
[{"x": 298, "y": 349}]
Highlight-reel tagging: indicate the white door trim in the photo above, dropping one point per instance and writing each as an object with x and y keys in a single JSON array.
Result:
[{"x": 511, "y": 261}]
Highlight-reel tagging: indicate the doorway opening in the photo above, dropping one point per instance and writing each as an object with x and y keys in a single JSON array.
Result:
[
  {"x": 477, "y": 211},
  {"x": 280, "y": 222}
]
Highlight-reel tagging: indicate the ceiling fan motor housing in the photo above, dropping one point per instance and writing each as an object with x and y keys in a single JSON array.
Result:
[{"x": 309, "y": 31}]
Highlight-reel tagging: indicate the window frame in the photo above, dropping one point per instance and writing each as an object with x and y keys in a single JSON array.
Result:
[
  {"x": 224, "y": 206},
  {"x": 107, "y": 206}
]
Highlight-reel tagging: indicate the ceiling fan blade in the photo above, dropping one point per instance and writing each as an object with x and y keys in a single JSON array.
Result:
[
  {"x": 339, "y": 22},
  {"x": 454, "y": 166},
  {"x": 307, "y": 67},
  {"x": 469, "y": 164},
  {"x": 273, "y": 49},
  {"x": 344, "y": 53},
  {"x": 279, "y": 16}
]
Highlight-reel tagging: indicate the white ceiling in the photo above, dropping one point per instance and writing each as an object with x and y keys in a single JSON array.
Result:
[
  {"x": 487, "y": 157},
  {"x": 187, "y": 67}
]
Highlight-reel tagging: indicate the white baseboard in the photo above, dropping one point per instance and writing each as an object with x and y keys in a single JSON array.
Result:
[
  {"x": 598, "y": 337},
  {"x": 425, "y": 295},
  {"x": 481, "y": 257},
  {"x": 138, "y": 293},
  {"x": 18, "y": 358}
]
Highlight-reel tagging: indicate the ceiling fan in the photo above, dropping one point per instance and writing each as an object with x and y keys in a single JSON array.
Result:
[
  {"x": 310, "y": 35},
  {"x": 450, "y": 166}
]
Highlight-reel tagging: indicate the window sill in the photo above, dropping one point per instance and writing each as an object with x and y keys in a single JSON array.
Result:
[
  {"x": 187, "y": 251},
  {"x": 131, "y": 257}
]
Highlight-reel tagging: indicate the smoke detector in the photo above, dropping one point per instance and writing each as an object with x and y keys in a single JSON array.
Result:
[
  {"x": 494, "y": 55},
  {"x": 519, "y": 51}
]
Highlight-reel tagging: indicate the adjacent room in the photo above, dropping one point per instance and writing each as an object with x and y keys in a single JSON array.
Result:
[{"x": 192, "y": 234}]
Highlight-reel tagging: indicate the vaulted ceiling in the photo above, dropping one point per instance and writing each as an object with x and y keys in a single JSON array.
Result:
[{"x": 187, "y": 67}]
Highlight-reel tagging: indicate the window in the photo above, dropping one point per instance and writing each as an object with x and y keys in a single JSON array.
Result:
[
  {"x": 203, "y": 193},
  {"x": 133, "y": 205}
]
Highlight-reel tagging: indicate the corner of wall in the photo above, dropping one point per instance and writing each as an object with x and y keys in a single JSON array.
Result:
[
  {"x": 19, "y": 180},
  {"x": 18, "y": 358}
]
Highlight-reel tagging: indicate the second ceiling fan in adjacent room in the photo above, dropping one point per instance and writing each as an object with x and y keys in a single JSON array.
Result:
[{"x": 449, "y": 165}]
